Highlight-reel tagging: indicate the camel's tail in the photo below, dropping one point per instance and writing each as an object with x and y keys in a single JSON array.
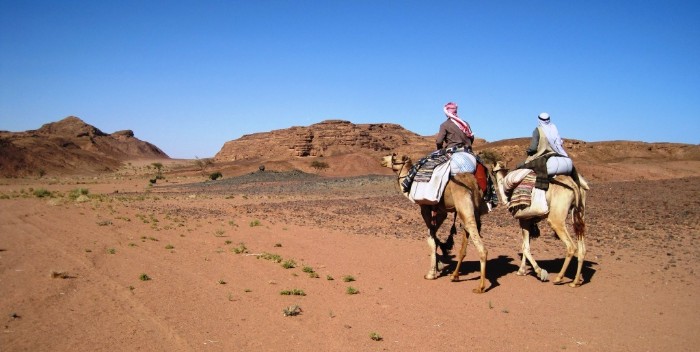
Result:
[{"x": 579, "y": 210}]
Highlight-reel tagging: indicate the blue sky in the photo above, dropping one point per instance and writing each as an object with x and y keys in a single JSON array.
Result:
[{"x": 189, "y": 76}]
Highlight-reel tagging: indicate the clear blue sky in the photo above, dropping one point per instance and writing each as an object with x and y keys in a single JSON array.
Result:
[{"x": 189, "y": 76}]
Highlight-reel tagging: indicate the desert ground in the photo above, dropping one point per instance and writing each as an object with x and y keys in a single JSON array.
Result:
[{"x": 113, "y": 263}]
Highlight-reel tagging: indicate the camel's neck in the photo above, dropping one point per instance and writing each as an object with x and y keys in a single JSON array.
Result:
[
  {"x": 402, "y": 172},
  {"x": 500, "y": 175}
]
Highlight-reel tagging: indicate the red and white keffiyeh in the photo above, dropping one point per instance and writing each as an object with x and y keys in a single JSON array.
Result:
[{"x": 463, "y": 125}]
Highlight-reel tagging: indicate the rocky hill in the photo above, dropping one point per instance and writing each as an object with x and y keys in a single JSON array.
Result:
[
  {"x": 327, "y": 138},
  {"x": 70, "y": 146},
  {"x": 353, "y": 149}
]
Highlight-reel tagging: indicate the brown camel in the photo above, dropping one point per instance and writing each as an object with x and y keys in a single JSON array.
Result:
[
  {"x": 461, "y": 195},
  {"x": 563, "y": 195}
]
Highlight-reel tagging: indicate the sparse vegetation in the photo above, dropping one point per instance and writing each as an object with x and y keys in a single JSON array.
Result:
[
  {"x": 41, "y": 193},
  {"x": 74, "y": 194},
  {"x": 111, "y": 251},
  {"x": 104, "y": 222},
  {"x": 169, "y": 246},
  {"x": 144, "y": 277},
  {"x": 289, "y": 264},
  {"x": 291, "y": 311},
  {"x": 319, "y": 165},
  {"x": 293, "y": 292},
  {"x": 351, "y": 290},
  {"x": 254, "y": 223},
  {"x": 241, "y": 248},
  {"x": 203, "y": 164},
  {"x": 348, "y": 278},
  {"x": 215, "y": 176},
  {"x": 375, "y": 336},
  {"x": 270, "y": 256}
]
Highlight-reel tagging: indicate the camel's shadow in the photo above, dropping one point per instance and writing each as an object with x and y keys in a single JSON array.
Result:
[
  {"x": 554, "y": 265},
  {"x": 504, "y": 265},
  {"x": 495, "y": 269}
]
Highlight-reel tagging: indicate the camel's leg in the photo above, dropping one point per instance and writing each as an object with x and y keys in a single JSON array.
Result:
[
  {"x": 462, "y": 254},
  {"x": 542, "y": 274},
  {"x": 483, "y": 254},
  {"x": 559, "y": 228},
  {"x": 433, "y": 271},
  {"x": 433, "y": 223},
  {"x": 578, "y": 280}
]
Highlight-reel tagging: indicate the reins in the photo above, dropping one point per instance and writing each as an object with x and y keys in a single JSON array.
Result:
[{"x": 398, "y": 178}]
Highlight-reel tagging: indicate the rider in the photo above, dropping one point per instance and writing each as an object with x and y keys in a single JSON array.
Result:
[
  {"x": 545, "y": 143},
  {"x": 454, "y": 132}
]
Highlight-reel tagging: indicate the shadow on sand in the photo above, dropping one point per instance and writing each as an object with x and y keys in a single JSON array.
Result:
[{"x": 505, "y": 265}]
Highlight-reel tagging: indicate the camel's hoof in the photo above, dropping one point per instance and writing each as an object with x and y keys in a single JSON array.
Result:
[
  {"x": 455, "y": 278},
  {"x": 575, "y": 283},
  {"x": 478, "y": 290},
  {"x": 544, "y": 275},
  {"x": 430, "y": 276},
  {"x": 557, "y": 281},
  {"x": 521, "y": 273}
]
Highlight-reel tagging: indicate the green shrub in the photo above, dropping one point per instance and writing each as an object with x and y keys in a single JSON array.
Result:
[
  {"x": 41, "y": 193},
  {"x": 78, "y": 192},
  {"x": 293, "y": 292},
  {"x": 215, "y": 176}
]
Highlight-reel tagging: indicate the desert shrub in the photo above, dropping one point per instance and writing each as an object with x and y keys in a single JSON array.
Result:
[
  {"x": 289, "y": 264},
  {"x": 240, "y": 249},
  {"x": 348, "y": 278},
  {"x": 352, "y": 291},
  {"x": 74, "y": 194},
  {"x": 203, "y": 164},
  {"x": 270, "y": 256},
  {"x": 293, "y": 292},
  {"x": 41, "y": 193},
  {"x": 254, "y": 223},
  {"x": 375, "y": 336},
  {"x": 291, "y": 311},
  {"x": 319, "y": 165},
  {"x": 215, "y": 176}
]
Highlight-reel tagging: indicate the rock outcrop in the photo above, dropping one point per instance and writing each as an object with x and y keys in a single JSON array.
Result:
[
  {"x": 70, "y": 146},
  {"x": 327, "y": 138}
]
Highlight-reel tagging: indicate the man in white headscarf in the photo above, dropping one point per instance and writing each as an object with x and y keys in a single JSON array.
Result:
[
  {"x": 545, "y": 139},
  {"x": 546, "y": 144}
]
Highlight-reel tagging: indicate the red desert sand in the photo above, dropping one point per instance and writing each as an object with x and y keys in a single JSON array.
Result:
[{"x": 293, "y": 261}]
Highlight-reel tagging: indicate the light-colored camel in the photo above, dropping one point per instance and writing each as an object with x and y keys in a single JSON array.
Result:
[
  {"x": 462, "y": 194},
  {"x": 563, "y": 196}
]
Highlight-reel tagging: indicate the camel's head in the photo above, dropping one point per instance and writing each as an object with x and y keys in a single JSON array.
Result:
[
  {"x": 388, "y": 160},
  {"x": 391, "y": 162},
  {"x": 498, "y": 166}
]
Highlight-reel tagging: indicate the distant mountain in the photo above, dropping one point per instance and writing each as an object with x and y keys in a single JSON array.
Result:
[
  {"x": 70, "y": 146},
  {"x": 354, "y": 149}
]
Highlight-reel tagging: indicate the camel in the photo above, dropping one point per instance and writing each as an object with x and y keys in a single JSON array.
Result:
[
  {"x": 463, "y": 196},
  {"x": 563, "y": 195}
]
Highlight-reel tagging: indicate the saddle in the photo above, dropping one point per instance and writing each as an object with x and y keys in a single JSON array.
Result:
[{"x": 427, "y": 179}]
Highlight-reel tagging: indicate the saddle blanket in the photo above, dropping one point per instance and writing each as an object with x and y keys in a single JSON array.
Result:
[
  {"x": 430, "y": 192},
  {"x": 426, "y": 167}
]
